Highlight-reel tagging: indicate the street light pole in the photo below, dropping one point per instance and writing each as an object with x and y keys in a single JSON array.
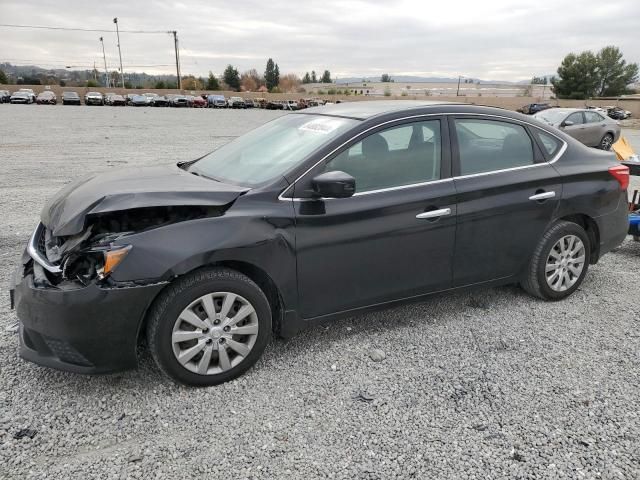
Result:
[
  {"x": 104, "y": 57},
  {"x": 115, "y": 20},
  {"x": 175, "y": 43}
]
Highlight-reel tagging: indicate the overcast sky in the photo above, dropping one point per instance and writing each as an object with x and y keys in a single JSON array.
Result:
[{"x": 490, "y": 39}]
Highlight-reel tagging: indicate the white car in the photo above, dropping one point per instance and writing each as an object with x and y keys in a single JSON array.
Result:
[
  {"x": 31, "y": 93},
  {"x": 93, "y": 98}
]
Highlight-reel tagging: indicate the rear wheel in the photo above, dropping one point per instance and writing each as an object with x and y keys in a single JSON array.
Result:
[
  {"x": 209, "y": 327},
  {"x": 559, "y": 263},
  {"x": 606, "y": 142}
]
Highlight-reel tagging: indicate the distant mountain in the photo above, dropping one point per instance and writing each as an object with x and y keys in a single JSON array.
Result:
[{"x": 415, "y": 79}]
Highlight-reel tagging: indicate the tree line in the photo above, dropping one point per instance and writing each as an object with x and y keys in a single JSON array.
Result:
[{"x": 588, "y": 74}]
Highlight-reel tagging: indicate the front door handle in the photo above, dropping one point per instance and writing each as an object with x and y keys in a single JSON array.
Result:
[
  {"x": 542, "y": 196},
  {"x": 434, "y": 213}
]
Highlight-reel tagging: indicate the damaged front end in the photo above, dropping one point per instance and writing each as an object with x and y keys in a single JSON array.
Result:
[{"x": 90, "y": 256}]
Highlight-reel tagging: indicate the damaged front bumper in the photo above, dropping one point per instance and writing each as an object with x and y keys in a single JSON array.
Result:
[{"x": 83, "y": 329}]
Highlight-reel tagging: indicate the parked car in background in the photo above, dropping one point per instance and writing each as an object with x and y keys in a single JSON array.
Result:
[
  {"x": 47, "y": 98},
  {"x": 217, "y": 101},
  {"x": 151, "y": 97},
  {"x": 138, "y": 100},
  {"x": 198, "y": 102},
  {"x": 70, "y": 98},
  {"x": 21, "y": 97},
  {"x": 587, "y": 126},
  {"x": 274, "y": 105},
  {"x": 160, "y": 101},
  {"x": 617, "y": 113},
  {"x": 249, "y": 103},
  {"x": 533, "y": 108},
  {"x": 93, "y": 98},
  {"x": 117, "y": 100},
  {"x": 180, "y": 101},
  {"x": 236, "y": 102},
  {"x": 189, "y": 258},
  {"x": 290, "y": 105},
  {"x": 31, "y": 93},
  {"x": 5, "y": 96}
]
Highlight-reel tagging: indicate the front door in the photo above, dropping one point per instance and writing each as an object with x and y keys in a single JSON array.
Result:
[{"x": 395, "y": 237}]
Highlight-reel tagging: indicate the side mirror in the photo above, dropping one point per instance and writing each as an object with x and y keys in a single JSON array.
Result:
[
  {"x": 567, "y": 123},
  {"x": 334, "y": 184}
]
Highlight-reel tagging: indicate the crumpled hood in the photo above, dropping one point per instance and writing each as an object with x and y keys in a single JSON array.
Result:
[{"x": 124, "y": 189}]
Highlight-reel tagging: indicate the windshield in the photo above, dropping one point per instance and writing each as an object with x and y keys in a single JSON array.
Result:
[
  {"x": 551, "y": 116},
  {"x": 270, "y": 150}
]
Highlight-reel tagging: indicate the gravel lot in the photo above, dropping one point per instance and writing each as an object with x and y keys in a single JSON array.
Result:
[{"x": 487, "y": 384}]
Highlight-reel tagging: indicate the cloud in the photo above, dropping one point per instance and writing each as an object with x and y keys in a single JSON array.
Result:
[{"x": 495, "y": 39}]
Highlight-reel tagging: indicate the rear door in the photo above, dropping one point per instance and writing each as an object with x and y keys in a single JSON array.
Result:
[
  {"x": 596, "y": 128},
  {"x": 507, "y": 194}
]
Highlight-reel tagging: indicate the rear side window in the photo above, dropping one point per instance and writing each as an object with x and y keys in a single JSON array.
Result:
[
  {"x": 550, "y": 143},
  {"x": 593, "y": 117},
  {"x": 489, "y": 145}
]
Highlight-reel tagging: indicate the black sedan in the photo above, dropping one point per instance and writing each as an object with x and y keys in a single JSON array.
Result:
[
  {"x": 70, "y": 98},
  {"x": 364, "y": 205}
]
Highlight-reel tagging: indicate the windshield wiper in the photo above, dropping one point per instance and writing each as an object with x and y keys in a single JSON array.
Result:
[{"x": 203, "y": 175}]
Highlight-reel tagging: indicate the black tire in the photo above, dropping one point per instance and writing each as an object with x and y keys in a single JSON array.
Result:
[
  {"x": 534, "y": 280},
  {"x": 606, "y": 143},
  {"x": 173, "y": 300}
]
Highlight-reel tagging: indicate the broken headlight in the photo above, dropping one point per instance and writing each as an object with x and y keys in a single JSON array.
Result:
[{"x": 95, "y": 263}]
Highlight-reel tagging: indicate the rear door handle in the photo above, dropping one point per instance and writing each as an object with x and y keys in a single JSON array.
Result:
[
  {"x": 542, "y": 196},
  {"x": 434, "y": 213}
]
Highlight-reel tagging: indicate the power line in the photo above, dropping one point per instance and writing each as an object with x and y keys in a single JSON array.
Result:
[{"x": 68, "y": 29}]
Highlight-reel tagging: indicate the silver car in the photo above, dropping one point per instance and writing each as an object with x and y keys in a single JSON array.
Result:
[{"x": 587, "y": 126}]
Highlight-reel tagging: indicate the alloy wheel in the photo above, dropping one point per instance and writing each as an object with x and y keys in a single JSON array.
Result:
[
  {"x": 214, "y": 333},
  {"x": 606, "y": 143},
  {"x": 565, "y": 263}
]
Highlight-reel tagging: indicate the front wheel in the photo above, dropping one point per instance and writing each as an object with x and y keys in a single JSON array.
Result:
[
  {"x": 607, "y": 142},
  {"x": 209, "y": 327},
  {"x": 559, "y": 263}
]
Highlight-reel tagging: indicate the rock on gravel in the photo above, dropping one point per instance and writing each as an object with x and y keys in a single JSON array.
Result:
[
  {"x": 490, "y": 384},
  {"x": 377, "y": 355}
]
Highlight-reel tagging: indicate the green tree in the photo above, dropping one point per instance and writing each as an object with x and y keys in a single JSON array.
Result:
[
  {"x": 539, "y": 80},
  {"x": 614, "y": 72},
  {"x": 160, "y": 85},
  {"x": 314, "y": 78},
  {"x": 306, "y": 78},
  {"x": 270, "y": 75},
  {"x": 577, "y": 76},
  {"x": 232, "y": 78},
  {"x": 276, "y": 74},
  {"x": 3, "y": 78},
  {"x": 326, "y": 77},
  {"x": 385, "y": 78},
  {"x": 212, "y": 82},
  {"x": 92, "y": 83}
]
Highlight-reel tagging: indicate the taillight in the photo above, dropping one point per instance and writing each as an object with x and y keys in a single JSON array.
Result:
[{"x": 621, "y": 174}]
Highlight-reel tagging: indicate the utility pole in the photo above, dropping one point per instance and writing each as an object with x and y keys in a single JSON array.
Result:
[
  {"x": 175, "y": 42},
  {"x": 95, "y": 72},
  {"x": 106, "y": 72},
  {"x": 458, "y": 91},
  {"x": 115, "y": 20}
]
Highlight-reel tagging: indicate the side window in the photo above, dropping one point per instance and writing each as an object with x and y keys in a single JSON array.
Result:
[
  {"x": 576, "y": 118},
  {"x": 402, "y": 155},
  {"x": 593, "y": 117},
  {"x": 550, "y": 143},
  {"x": 488, "y": 145}
]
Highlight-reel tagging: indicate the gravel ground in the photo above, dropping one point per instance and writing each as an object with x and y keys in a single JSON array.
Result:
[{"x": 487, "y": 384}]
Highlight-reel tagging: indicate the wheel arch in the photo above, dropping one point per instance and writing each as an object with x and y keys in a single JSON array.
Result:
[
  {"x": 593, "y": 232},
  {"x": 256, "y": 274}
]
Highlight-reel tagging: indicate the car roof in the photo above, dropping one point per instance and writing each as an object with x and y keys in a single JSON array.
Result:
[{"x": 366, "y": 109}]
